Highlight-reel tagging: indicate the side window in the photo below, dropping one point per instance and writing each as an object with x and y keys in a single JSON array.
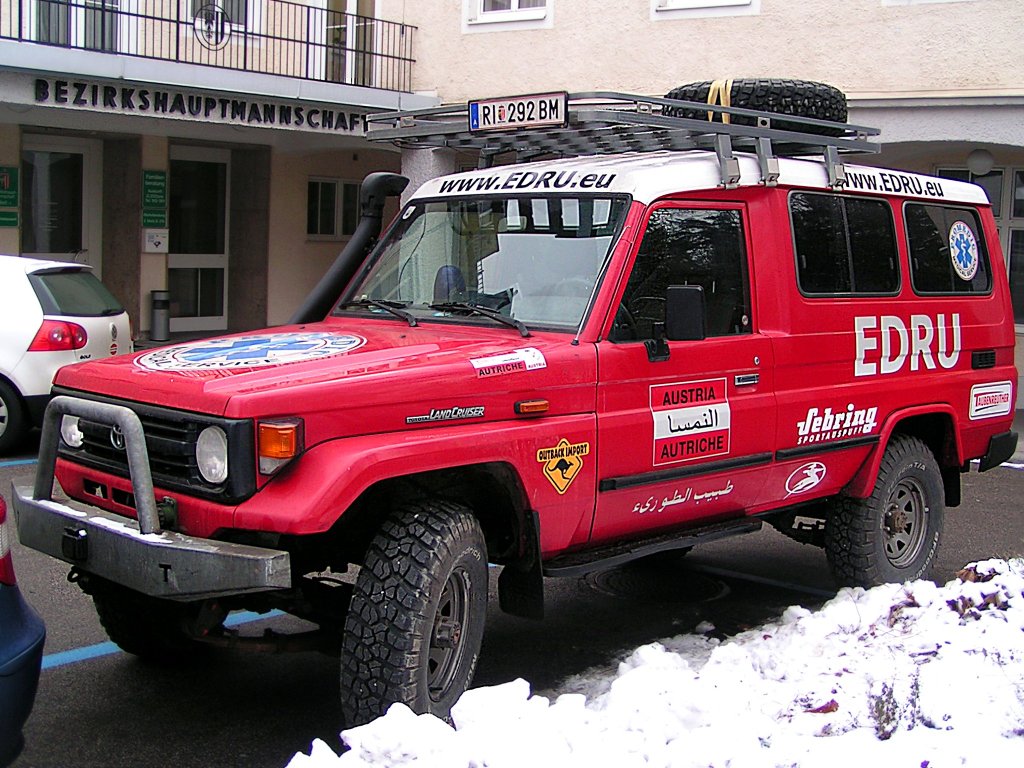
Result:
[
  {"x": 688, "y": 247},
  {"x": 947, "y": 250},
  {"x": 844, "y": 245}
]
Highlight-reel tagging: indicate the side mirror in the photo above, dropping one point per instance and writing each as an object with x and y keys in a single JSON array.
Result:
[{"x": 684, "y": 313}]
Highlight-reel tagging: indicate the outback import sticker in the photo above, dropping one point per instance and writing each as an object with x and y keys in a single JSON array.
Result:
[
  {"x": 254, "y": 351},
  {"x": 525, "y": 359},
  {"x": 991, "y": 400},
  {"x": 692, "y": 420},
  {"x": 562, "y": 462}
]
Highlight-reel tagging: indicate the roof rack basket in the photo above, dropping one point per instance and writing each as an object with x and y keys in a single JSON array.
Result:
[{"x": 604, "y": 122}]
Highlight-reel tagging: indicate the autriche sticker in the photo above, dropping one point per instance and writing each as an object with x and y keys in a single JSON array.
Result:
[
  {"x": 516, "y": 361},
  {"x": 692, "y": 420}
]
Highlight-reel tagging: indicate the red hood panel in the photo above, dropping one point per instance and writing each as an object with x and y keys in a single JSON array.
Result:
[{"x": 204, "y": 375}]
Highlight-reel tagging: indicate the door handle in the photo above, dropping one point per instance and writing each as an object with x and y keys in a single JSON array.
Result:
[{"x": 746, "y": 379}]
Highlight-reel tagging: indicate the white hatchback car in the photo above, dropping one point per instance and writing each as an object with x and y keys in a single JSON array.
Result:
[{"x": 52, "y": 313}]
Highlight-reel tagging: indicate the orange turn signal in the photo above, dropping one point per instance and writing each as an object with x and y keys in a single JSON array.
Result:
[
  {"x": 532, "y": 407},
  {"x": 277, "y": 442}
]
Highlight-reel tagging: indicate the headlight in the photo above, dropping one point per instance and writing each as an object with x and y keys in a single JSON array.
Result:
[
  {"x": 70, "y": 432},
  {"x": 212, "y": 455}
]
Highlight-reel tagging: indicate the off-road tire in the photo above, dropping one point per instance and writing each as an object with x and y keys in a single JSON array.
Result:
[
  {"x": 416, "y": 618},
  {"x": 893, "y": 535},
  {"x": 13, "y": 420},
  {"x": 800, "y": 98},
  {"x": 147, "y": 627}
]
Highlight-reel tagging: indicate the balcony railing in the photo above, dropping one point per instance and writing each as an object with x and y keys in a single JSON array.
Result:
[{"x": 265, "y": 36}]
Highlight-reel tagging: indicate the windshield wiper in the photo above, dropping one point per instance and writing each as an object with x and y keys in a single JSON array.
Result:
[
  {"x": 475, "y": 309},
  {"x": 394, "y": 307}
]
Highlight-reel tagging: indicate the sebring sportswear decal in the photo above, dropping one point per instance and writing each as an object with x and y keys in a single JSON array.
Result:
[
  {"x": 256, "y": 351},
  {"x": 818, "y": 427},
  {"x": 963, "y": 250},
  {"x": 525, "y": 359},
  {"x": 691, "y": 420},
  {"x": 563, "y": 462},
  {"x": 991, "y": 400}
]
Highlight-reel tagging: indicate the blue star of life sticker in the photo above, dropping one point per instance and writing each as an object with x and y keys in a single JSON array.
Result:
[
  {"x": 963, "y": 250},
  {"x": 254, "y": 351}
]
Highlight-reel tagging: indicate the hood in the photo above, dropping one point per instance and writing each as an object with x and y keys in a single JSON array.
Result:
[{"x": 338, "y": 364}]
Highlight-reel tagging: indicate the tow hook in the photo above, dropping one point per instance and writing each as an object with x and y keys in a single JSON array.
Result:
[{"x": 167, "y": 513}]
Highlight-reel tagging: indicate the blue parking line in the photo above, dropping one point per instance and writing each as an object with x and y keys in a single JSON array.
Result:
[
  {"x": 17, "y": 462},
  {"x": 76, "y": 655}
]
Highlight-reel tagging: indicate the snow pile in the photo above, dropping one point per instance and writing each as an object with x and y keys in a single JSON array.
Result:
[{"x": 913, "y": 674}]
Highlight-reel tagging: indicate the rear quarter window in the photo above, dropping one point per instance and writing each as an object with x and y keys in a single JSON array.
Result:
[
  {"x": 845, "y": 246},
  {"x": 74, "y": 293},
  {"x": 947, "y": 250}
]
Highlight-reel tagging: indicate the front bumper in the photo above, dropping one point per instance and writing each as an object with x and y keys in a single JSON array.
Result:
[{"x": 138, "y": 555}]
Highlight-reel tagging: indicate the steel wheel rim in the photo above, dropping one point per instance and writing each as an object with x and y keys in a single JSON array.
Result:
[
  {"x": 448, "y": 635},
  {"x": 4, "y": 416},
  {"x": 905, "y": 523}
]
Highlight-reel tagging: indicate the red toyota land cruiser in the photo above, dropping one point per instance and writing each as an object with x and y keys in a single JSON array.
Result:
[{"x": 554, "y": 367}]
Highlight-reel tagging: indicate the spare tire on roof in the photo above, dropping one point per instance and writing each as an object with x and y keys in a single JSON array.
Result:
[{"x": 800, "y": 98}]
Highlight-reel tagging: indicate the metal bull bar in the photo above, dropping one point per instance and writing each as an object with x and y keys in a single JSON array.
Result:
[{"x": 138, "y": 556}]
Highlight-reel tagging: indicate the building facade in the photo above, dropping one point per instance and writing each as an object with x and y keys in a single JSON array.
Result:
[
  {"x": 214, "y": 147},
  {"x": 210, "y": 149},
  {"x": 938, "y": 77}
]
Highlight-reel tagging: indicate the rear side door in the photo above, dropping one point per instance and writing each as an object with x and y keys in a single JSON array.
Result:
[{"x": 684, "y": 439}]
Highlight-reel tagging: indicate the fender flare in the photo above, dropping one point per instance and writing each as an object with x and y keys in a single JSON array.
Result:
[{"x": 863, "y": 483}]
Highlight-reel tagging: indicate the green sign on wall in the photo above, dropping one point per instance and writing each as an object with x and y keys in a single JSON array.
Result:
[
  {"x": 8, "y": 218},
  {"x": 8, "y": 186},
  {"x": 154, "y": 199}
]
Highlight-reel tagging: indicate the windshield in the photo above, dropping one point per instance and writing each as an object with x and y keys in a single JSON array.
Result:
[{"x": 533, "y": 259}]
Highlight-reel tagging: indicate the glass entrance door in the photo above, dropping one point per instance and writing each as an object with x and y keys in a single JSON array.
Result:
[
  {"x": 197, "y": 264},
  {"x": 61, "y": 199}
]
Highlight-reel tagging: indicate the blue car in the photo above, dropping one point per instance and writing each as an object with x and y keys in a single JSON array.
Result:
[{"x": 22, "y": 633}]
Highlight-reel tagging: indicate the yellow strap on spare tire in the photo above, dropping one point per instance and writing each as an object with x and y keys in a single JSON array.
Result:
[{"x": 719, "y": 94}]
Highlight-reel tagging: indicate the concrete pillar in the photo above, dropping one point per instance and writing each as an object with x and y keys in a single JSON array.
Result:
[
  {"x": 425, "y": 163},
  {"x": 10, "y": 155}
]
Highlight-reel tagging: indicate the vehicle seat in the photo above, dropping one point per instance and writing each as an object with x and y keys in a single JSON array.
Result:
[{"x": 449, "y": 284}]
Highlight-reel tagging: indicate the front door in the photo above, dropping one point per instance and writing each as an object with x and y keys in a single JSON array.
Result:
[
  {"x": 62, "y": 193},
  {"x": 685, "y": 438},
  {"x": 197, "y": 264}
]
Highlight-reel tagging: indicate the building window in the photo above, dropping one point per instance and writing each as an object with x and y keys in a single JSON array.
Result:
[
  {"x": 665, "y": 10},
  {"x": 233, "y": 12},
  {"x": 332, "y": 208},
  {"x": 507, "y": 14}
]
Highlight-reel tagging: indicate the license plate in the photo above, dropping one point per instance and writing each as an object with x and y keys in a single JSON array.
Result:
[{"x": 539, "y": 109}]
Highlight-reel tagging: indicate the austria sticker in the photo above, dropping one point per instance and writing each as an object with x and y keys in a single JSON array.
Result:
[
  {"x": 692, "y": 420},
  {"x": 516, "y": 361}
]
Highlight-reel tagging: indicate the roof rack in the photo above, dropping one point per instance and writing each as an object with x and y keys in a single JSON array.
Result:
[{"x": 604, "y": 122}]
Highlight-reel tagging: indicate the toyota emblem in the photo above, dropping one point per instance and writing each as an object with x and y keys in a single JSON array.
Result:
[
  {"x": 113, "y": 332},
  {"x": 117, "y": 437}
]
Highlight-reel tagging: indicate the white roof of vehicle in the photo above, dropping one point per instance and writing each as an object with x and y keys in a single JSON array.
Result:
[{"x": 647, "y": 176}]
